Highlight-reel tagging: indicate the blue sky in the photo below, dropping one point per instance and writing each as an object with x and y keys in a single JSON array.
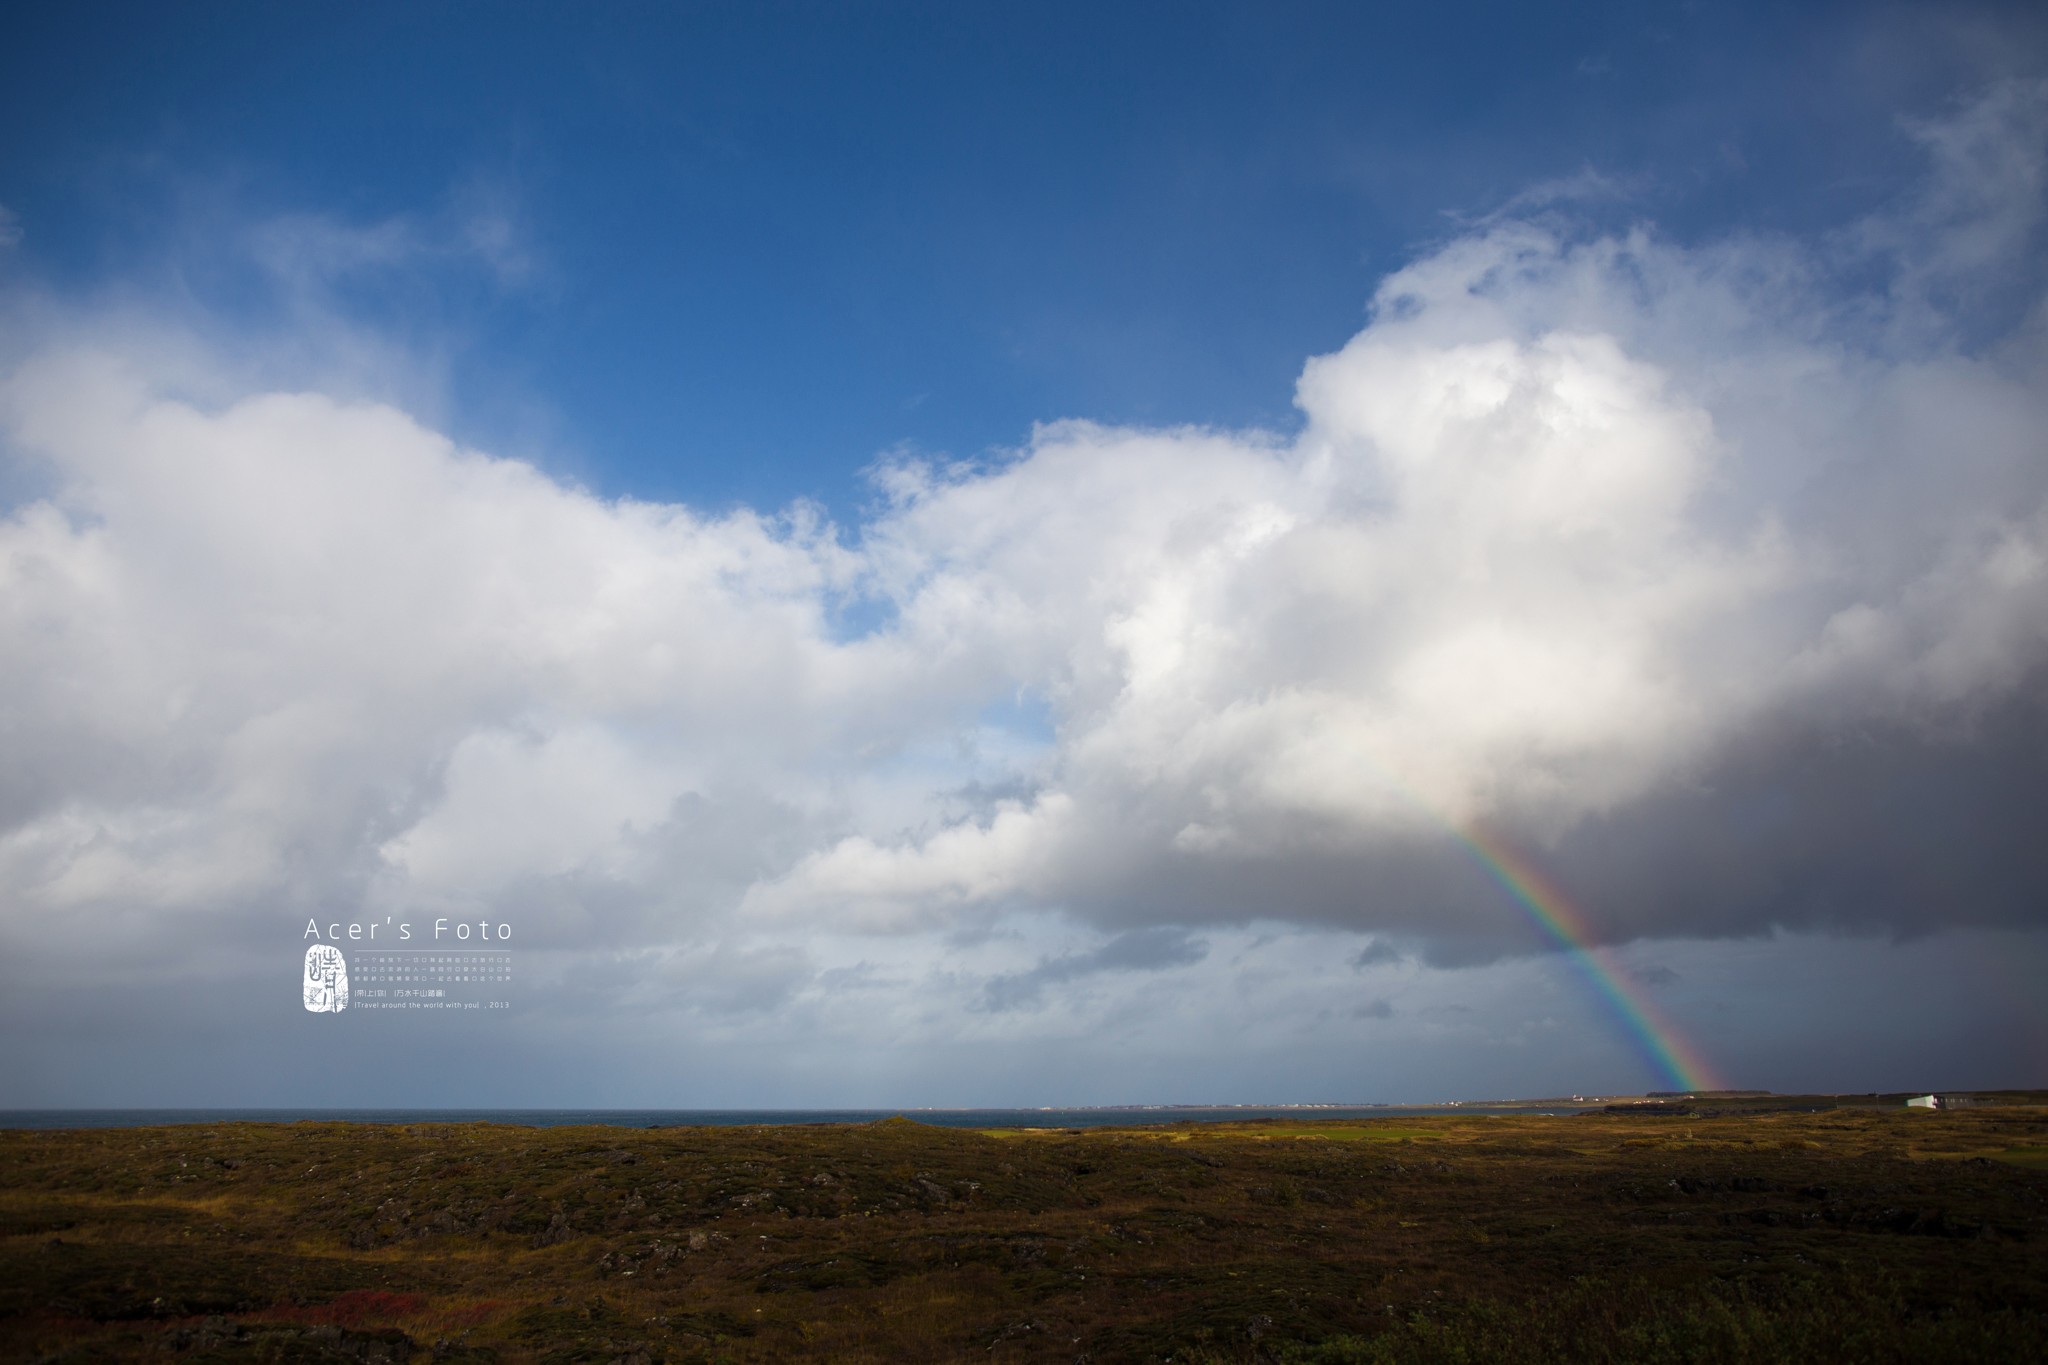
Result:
[
  {"x": 757, "y": 244},
  {"x": 1008, "y": 554}
]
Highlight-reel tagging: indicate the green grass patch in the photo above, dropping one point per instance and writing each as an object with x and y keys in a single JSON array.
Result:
[{"x": 2034, "y": 1158}]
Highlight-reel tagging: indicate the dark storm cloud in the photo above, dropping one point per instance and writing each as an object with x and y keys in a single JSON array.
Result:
[{"x": 1136, "y": 950}]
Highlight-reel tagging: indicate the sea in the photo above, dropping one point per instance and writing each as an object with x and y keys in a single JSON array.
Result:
[{"x": 1113, "y": 1117}]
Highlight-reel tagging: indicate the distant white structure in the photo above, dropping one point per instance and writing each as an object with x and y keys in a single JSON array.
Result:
[{"x": 1924, "y": 1102}]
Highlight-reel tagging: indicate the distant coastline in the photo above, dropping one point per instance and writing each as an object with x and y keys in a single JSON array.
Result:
[
  {"x": 1064, "y": 1116},
  {"x": 1077, "y": 1116}
]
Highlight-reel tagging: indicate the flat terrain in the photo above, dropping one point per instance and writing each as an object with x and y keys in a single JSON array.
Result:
[{"x": 1850, "y": 1234}]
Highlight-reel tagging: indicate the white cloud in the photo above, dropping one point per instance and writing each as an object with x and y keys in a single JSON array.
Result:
[
  {"x": 480, "y": 226},
  {"x": 1570, "y": 523}
]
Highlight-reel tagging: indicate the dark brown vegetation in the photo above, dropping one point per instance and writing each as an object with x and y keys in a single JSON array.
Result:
[{"x": 1844, "y": 1235}]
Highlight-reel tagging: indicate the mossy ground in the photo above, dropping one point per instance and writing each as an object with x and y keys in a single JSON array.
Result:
[{"x": 1850, "y": 1235}]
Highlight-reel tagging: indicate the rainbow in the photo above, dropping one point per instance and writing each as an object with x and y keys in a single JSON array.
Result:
[{"x": 1677, "y": 1060}]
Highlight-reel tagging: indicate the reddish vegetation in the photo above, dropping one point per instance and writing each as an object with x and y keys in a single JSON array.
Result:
[
  {"x": 1643, "y": 1235},
  {"x": 353, "y": 1308}
]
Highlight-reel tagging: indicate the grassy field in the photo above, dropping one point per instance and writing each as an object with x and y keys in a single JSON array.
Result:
[{"x": 1855, "y": 1234}]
